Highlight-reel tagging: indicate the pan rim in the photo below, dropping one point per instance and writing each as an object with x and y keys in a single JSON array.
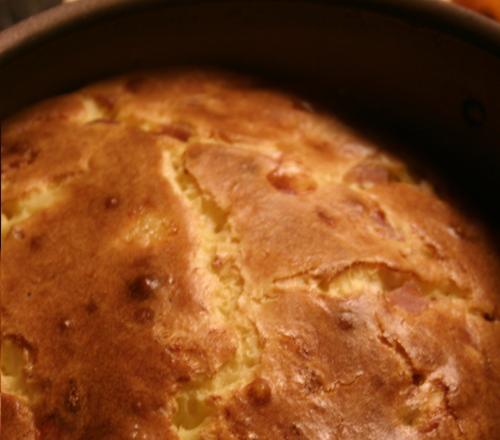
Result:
[{"x": 440, "y": 16}]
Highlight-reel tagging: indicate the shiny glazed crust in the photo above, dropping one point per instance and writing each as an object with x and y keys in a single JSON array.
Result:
[{"x": 189, "y": 254}]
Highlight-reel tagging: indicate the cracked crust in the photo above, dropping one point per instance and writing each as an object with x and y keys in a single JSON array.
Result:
[{"x": 188, "y": 254}]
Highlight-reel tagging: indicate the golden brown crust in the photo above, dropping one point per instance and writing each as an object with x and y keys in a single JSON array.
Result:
[
  {"x": 189, "y": 254},
  {"x": 17, "y": 420}
]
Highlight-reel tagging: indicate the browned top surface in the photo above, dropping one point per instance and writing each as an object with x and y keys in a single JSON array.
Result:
[{"x": 222, "y": 261}]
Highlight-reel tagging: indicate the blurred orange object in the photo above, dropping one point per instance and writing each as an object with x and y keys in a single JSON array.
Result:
[{"x": 490, "y": 8}]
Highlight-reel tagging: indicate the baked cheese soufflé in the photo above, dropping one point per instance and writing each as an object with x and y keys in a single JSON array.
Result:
[{"x": 190, "y": 254}]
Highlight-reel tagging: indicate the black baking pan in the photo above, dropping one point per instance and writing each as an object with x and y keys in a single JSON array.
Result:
[
  {"x": 12, "y": 11},
  {"x": 423, "y": 70}
]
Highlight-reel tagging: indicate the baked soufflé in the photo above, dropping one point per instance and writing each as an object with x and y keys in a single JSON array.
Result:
[{"x": 190, "y": 254}]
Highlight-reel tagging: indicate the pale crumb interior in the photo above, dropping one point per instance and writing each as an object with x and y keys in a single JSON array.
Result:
[
  {"x": 15, "y": 366},
  {"x": 92, "y": 111},
  {"x": 218, "y": 257},
  {"x": 14, "y": 212}
]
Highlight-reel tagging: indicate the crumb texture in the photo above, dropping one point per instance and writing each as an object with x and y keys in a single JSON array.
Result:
[{"x": 191, "y": 255}]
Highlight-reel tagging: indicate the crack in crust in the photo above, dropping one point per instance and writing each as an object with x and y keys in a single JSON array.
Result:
[
  {"x": 418, "y": 377},
  {"x": 376, "y": 278},
  {"x": 218, "y": 257}
]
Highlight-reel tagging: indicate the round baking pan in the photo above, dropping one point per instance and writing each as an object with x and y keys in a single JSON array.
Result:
[{"x": 423, "y": 69}]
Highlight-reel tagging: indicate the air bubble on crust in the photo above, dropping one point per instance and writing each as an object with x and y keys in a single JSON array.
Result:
[{"x": 291, "y": 179}]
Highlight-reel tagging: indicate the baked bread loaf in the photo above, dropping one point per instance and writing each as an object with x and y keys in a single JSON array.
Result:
[{"x": 189, "y": 254}]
